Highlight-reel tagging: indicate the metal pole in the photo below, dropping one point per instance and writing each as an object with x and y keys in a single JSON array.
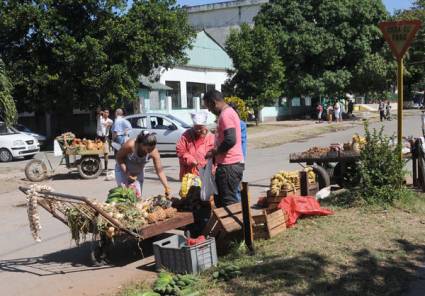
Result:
[{"x": 400, "y": 102}]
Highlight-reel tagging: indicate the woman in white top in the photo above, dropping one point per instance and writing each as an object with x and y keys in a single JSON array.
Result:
[
  {"x": 104, "y": 124},
  {"x": 337, "y": 111}
]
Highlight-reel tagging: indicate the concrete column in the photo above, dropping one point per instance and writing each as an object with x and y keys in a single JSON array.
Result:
[
  {"x": 260, "y": 116},
  {"x": 183, "y": 93},
  {"x": 147, "y": 105},
  {"x": 169, "y": 104},
  {"x": 197, "y": 103}
]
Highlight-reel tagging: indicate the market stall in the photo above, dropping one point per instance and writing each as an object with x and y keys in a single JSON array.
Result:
[
  {"x": 80, "y": 154},
  {"x": 121, "y": 215}
]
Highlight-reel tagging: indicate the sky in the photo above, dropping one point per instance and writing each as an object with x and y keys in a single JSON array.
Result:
[{"x": 390, "y": 4}]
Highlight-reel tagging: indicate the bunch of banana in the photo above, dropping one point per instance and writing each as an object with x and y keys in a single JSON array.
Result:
[
  {"x": 311, "y": 175},
  {"x": 188, "y": 181},
  {"x": 284, "y": 181},
  {"x": 358, "y": 142}
]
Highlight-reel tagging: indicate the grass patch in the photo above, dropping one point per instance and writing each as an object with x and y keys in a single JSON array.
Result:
[
  {"x": 286, "y": 136},
  {"x": 357, "y": 251},
  {"x": 135, "y": 289}
]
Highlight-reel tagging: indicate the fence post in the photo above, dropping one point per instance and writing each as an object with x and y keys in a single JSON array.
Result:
[
  {"x": 196, "y": 104},
  {"x": 169, "y": 104}
]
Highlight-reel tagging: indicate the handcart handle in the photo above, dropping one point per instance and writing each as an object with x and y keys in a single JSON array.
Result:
[{"x": 90, "y": 204}]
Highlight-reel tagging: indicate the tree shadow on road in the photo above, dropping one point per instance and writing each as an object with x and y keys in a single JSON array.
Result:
[
  {"x": 78, "y": 259},
  {"x": 314, "y": 274}
]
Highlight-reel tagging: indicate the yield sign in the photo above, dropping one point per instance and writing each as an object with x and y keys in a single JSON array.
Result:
[{"x": 399, "y": 35}]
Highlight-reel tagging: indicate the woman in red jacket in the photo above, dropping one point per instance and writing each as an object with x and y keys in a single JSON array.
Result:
[{"x": 194, "y": 144}]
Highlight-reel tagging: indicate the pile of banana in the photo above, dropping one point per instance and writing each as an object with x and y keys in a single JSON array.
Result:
[
  {"x": 287, "y": 181},
  {"x": 358, "y": 142}
]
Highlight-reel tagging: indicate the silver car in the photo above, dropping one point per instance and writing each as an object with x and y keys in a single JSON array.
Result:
[{"x": 168, "y": 129}]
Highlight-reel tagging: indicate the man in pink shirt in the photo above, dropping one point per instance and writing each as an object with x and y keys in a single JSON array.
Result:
[
  {"x": 194, "y": 144},
  {"x": 227, "y": 151}
]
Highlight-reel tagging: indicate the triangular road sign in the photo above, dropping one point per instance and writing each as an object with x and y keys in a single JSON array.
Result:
[{"x": 399, "y": 35}]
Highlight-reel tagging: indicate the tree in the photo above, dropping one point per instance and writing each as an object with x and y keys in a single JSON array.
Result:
[
  {"x": 7, "y": 104},
  {"x": 258, "y": 72},
  {"x": 415, "y": 59},
  {"x": 329, "y": 47},
  {"x": 80, "y": 54}
]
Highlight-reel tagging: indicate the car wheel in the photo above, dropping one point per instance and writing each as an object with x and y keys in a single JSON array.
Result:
[{"x": 5, "y": 155}]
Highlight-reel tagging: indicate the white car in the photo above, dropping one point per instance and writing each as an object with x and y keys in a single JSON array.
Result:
[{"x": 14, "y": 144}]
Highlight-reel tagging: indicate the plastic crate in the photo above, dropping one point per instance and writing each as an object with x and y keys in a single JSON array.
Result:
[{"x": 173, "y": 254}]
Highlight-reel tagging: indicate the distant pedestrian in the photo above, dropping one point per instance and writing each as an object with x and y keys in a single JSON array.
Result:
[
  {"x": 104, "y": 124},
  {"x": 381, "y": 108},
  {"x": 319, "y": 110},
  {"x": 121, "y": 128},
  {"x": 338, "y": 111},
  {"x": 350, "y": 107},
  {"x": 388, "y": 111},
  {"x": 329, "y": 112}
]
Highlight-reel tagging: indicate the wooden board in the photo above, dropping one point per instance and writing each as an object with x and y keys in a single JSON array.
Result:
[
  {"x": 269, "y": 224},
  {"x": 85, "y": 152},
  {"x": 179, "y": 220}
]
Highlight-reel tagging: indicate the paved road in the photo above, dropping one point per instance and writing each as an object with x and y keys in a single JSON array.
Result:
[{"x": 56, "y": 267}]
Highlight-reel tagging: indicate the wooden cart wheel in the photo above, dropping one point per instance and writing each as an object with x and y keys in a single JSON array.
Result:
[
  {"x": 322, "y": 176},
  {"x": 36, "y": 170},
  {"x": 89, "y": 167},
  {"x": 99, "y": 248},
  {"x": 347, "y": 174}
]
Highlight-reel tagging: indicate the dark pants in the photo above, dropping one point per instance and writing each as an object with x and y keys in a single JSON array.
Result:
[
  {"x": 381, "y": 115},
  {"x": 228, "y": 179}
]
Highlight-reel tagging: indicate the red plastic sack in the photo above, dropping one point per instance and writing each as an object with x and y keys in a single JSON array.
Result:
[{"x": 297, "y": 206}]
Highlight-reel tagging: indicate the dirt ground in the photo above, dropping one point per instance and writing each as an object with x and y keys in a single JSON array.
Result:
[{"x": 57, "y": 267}]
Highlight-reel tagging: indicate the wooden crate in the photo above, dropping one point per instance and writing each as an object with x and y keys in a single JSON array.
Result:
[
  {"x": 227, "y": 223},
  {"x": 269, "y": 224}
]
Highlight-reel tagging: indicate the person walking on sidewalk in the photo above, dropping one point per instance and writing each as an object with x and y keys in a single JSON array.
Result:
[
  {"x": 381, "y": 108},
  {"x": 319, "y": 110},
  {"x": 338, "y": 111},
  {"x": 388, "y": 111},
  {"x": 104, "y": 124},
  {"x": 227, "y": 152}
]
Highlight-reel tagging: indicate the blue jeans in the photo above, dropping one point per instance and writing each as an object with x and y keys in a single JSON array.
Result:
[
  {"x": 122, "y": 179},
  {"x": 121, "y": 139}
]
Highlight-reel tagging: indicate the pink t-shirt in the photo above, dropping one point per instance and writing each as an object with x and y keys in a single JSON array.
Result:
[{"x": 229, "y": 119}]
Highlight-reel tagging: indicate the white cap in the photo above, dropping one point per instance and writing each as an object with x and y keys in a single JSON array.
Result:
[{"x": 199, "y": 118}]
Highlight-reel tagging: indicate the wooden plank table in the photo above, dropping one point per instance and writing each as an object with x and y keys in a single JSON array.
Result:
[{"x": 180, "y": 219}]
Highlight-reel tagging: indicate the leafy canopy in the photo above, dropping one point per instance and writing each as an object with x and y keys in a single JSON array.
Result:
[
  {"x": 415, "y": 59},
  {"x": 7, "y": 105},
  {"x": 80, "y": 54},
  {"x": 258, "y": 72},
  {"x": 329, "y": 47}
]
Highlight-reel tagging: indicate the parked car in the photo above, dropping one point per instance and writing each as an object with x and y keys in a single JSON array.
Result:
[
  {"x": 23, "y": 129},
  {"x": 168, "y": 129},
  {"x": 14, "y": 144}
]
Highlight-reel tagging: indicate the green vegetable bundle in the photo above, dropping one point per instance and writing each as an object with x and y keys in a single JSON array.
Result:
[
  {"x": 121, "y": 195},
  {"x": 227, "y": 272},
  {"x": 173, "y": 285}
]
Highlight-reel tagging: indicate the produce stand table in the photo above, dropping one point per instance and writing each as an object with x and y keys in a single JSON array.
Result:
[
  {"x": 58, "y": 204},
  {"x": 344, "y": 173}
]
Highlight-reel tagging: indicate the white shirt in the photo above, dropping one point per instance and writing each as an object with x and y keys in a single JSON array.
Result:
[{"x": 103, "y": 126}]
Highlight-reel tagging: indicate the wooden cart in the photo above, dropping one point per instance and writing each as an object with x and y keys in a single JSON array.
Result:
[
  {"x": 58, "y": 204},
  {"x": 336, "y": 167},
  {"x": 86, "y": 162},
  {"x": 340, "y": 167}
]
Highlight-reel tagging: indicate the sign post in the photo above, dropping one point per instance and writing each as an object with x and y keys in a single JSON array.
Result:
[{"x": 399, "y": 36}]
